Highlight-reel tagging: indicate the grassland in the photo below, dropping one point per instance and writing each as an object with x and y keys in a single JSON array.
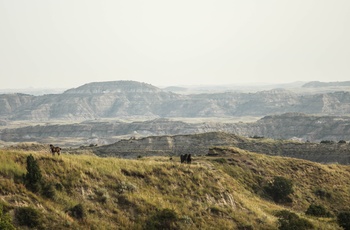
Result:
[{"x": 223, "y": 192}]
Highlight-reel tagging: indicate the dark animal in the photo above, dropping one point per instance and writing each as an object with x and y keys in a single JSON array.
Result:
[
  {"x": 189, "y": 159},
  {"x": 55, "y": 150},
  {"x": 186, "y": 158},
  {"x": 182, "y": 158}
]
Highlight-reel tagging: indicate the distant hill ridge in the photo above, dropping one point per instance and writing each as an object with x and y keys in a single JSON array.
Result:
[
  {"x": 113, "y": 86},
  {"x": 316, "y": 84},
  {"x": 135, "y": 99}
]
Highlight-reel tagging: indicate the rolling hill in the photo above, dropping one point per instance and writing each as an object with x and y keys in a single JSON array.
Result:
[{"x": 227, "y": 191}]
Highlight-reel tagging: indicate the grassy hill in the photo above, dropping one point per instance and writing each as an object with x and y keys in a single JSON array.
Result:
[{"x": 227, "y": 191}]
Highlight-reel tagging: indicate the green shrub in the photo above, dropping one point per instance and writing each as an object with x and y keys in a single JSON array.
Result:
[
  {"x": 290, "y": 221},
  {"x": 78, "y": 211},
  {"x": 164, "y": 219},
  {"x": 343, "y": 219},
  {"x": 279, "y": 189},
  {"x": 323, "y": 194},
  {"x": 317, "y": 210},
  {"x": 5, "y": 221},
  {"x": 49, "y": 191},
  {"x": 29, "y": 217},
  {"x": 33, "y": 176}
]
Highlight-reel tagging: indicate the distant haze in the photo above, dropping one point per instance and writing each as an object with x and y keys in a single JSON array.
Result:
[{"x": 64, "y": 44}]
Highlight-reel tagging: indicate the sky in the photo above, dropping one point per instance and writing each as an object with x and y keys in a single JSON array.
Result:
[{"x": 68, "y": 43}]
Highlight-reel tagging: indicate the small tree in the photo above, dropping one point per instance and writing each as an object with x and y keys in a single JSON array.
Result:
[
  {"x": 343, "y": 219},
  {"x": 33, "y": 176},
  {"x": 279, "y": 189}
]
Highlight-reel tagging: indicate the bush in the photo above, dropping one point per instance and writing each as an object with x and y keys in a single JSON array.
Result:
[
  {"x": 317, "y": 210},
  {"x": 28, "y": 216},
  {"x": 49, "y": 191},
  {"x": 279, "y": 189},
  {"x": 5, "y": 221},
  {"x": 33, "y": 177},
  {"x": 164, "y": 219},
  {"x": 291, "y": 221},
  {"x": 323, "y": 194},
  {"x": 343, "y": 219},
  {"x": 78, "y": 211}
]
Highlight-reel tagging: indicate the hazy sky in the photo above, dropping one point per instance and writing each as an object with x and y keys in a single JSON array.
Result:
[{"x": 67, "y": 43}]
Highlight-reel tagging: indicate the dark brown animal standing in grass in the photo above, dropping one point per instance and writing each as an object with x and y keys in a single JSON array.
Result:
[
  {"x": 55, "y": 150},
  {"x": 186, "y": 158},
  {"x": 189, "y": 159},
  {"x": 182, "y": 158}
]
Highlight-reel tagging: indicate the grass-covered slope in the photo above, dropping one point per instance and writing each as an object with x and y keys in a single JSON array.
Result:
[{"x": 223, "y": 192}]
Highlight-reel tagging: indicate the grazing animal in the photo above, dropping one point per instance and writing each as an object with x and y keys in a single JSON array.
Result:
[
  {"x": 55, "y": 150},
  {"x": 189, "y": 159},
  {"x": 186, "y": 158},
  {"x": 182, "y": 158}
]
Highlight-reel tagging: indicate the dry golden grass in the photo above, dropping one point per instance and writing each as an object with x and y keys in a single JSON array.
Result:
[{"x": 212, "y": 193}]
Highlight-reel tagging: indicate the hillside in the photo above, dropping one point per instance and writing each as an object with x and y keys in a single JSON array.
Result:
[
  {"x": 223, "y": 192},
  {"x": 135, "y": 99}
]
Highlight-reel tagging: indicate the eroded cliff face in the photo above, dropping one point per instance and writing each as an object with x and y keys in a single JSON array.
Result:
[
  {"x": 129, "y": 98},
  {"x": 95, "y": 100},
  {"x": 9, "y": 103},
  {"x": 286, "y": 126}
]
